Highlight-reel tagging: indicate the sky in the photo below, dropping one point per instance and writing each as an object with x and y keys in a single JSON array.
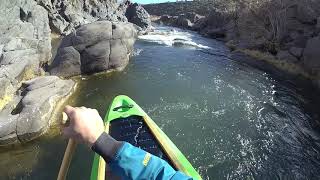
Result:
[{"x": 152, "y": 1}]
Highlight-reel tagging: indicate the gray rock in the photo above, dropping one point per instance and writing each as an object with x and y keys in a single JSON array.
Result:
[
  {"x": 295, "y": 51},
  {"x": 216, "y": 32},
  {"x": 34, "y": 112},
  {"x": 200, "y": 24},
  {"x": 167, "y": 20},
  {"x": 136, "y": 14},
  {"x": 318, "y": 23},
  {"x": 193, "y": 17},
  {"x": 298, "y": 40},
  {"x": 95, "y": 47},
  {"x": 294, "y": 25},
  {"x": 58, "y": 24},
  {"x": 25, "y": 43},
  {"x": 311, "y": 54},
  {"x": 301, "y": 12},
  {"x": 65, "y": 16},
  {"x": 286, "y": 56},
  {"x": 67, "y": 62},
  {"x": 8, "y": 125},
  {"x": 119, "y": 57},
  {"x": 306, "y": 15},
  {"x": 183, "y": 22}
]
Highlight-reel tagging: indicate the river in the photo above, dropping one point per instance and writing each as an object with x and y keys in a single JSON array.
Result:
[{"x": 231, "y": 120}]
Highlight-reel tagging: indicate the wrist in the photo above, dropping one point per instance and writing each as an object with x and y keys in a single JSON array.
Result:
[
  {"x": 94, "y": 138},
  {"x": 106, "y": 146}
]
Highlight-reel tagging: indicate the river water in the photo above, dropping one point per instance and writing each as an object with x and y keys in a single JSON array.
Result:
[{"x": 231, "y": 120}]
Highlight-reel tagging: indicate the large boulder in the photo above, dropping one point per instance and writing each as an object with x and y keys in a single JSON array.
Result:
[
  {"x": 295, "y": 51},
  {"x": 200, "y": 24},
  {"x": 216, "y": 33},
  {"x": 193, "y": 17},
  {"x": 65, "y": 16},
  {"x": 318, "y": 24},
  {"x": 136, "y": 14},
  {"x": 167, "y": 20},
  {"x": 311, "y": 54},
  {"x": 31, "y": 115},
  {"x": 25, "y": 44},
  {"x": 183, "y": 22},
  {"x": 95, "y": 47}
]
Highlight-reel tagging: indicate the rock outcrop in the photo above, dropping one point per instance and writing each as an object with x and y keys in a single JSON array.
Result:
[
  {"x": 185, "y": 21},
  {"x": 29, "y": 115},
  {"x": 94, "y": 47},
  {"x": 25, "y": 44},
  {"x": 136, "y": 14},
  {"x": 65, "y": 16},
  {"x": 288, "y": 30},
  {"x": 311, "y": 54},
  {"x": 98, "y": 37}
]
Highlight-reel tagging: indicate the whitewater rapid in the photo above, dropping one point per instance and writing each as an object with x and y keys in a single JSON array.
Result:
[{"x": 170, "y": 36}]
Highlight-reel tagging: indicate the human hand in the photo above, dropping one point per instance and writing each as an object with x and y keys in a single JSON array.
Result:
[{"x": 85, "y": 124}]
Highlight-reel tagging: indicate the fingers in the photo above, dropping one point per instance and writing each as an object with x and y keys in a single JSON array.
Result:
[
  {"x": 83, "y": 108},
  {"x": 69, "y": 110},
  {"x": 67, "y": 132}
]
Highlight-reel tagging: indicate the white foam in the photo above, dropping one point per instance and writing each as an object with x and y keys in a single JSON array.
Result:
[
  {"x": 172, "y": 37},
  {"x": 137, "y": 52}
]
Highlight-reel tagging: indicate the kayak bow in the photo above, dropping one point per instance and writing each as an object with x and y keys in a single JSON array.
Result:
[{"x": 126, "y": 121}]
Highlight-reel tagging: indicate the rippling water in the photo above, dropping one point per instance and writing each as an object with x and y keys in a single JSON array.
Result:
[{"x": 231, "y": 120}]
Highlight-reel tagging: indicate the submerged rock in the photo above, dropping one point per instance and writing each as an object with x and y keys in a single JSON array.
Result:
[
  {"x": 30, "y": 116},
  {"x": 95, "y": 47}
]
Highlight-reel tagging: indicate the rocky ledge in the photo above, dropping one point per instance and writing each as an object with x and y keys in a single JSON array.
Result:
[
  {"x": 25, "y": 44},
  {"x": 96, "y": 37},
  {"x": 31, "y": 111}
]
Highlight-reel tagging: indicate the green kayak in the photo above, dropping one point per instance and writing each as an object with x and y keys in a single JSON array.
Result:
[{"x": 126, "y": 121}]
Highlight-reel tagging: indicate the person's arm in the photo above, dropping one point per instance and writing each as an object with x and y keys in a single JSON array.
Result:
[
  {"x": 131, "y": 162},
  {"x": 125, "y": 160}
]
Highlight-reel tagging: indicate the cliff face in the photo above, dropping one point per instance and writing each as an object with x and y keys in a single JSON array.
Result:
[
  {"x": 287, "y": 30},
  {"x": 65, "y": 16}
]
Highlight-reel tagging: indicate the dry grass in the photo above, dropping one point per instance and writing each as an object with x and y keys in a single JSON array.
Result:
[
  {"x": 28, "y": 73},
  {"x": 292, "y": 68},
  {"x": 4, "y": 101}
]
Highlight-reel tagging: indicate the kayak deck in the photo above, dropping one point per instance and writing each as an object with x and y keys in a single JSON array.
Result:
[
  {"x": 126, "y": 121},
  {"x": 134, "y": 130}
]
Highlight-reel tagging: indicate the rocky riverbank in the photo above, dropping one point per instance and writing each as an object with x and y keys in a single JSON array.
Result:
[
  {"x": 282, "y": 33},
  {"x": 96, "y": 36}
]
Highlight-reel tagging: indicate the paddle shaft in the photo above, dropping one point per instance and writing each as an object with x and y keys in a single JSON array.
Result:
[{"x": 71, "y": 147}]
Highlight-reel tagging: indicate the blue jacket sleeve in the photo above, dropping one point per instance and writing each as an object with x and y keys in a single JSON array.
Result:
[
  {"x": 130, "y": 162},
  {"x": 133, "y": 163}
]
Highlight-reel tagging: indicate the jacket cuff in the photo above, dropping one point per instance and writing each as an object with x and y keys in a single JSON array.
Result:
[{"x": 106, "y": 146}]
